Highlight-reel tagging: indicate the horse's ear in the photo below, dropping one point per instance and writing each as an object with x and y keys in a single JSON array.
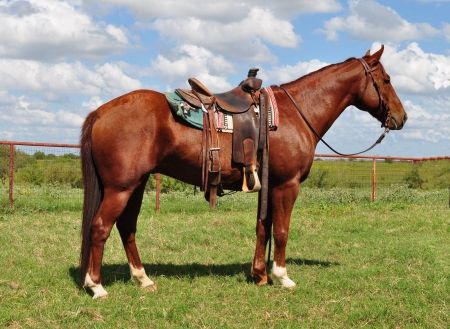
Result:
[
  {"x": 367, "y": 54},
  {"x": 375, "y": 58}
]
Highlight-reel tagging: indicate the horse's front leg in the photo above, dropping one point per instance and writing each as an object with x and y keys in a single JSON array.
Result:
[
  {"x": 263, "y": 230},
  {"x": 280, "y": 205},
  {"x": 283, "y": 199}
]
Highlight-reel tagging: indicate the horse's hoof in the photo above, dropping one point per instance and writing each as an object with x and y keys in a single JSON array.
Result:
[
  {"x": 151, "y": 288},
  {"x": 102, "y": 297},
  {"x": 291, "y": 288},
  {"x": 264, "y": 282}
]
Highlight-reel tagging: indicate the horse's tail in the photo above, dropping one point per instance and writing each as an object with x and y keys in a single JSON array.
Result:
[{"x": 93, "y": 191}]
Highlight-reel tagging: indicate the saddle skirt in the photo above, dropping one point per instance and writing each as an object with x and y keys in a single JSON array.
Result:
[
  {"x": 224, "y": 121},
  {"x": 194, "y": 115}
]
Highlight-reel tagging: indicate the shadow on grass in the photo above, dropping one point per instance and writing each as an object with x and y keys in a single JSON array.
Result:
[{"x": 112, "y": 273}]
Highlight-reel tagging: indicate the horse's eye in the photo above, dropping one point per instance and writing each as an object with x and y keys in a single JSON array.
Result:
[{"x": 387, "y": 81}]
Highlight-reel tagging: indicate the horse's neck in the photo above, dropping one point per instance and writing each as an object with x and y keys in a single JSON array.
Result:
[{"x": 334, "y": 89}]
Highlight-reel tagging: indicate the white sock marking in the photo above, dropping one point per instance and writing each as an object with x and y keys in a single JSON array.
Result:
[
  {"x": 280, "y": 274},
  {"x": 97, "y": 289},
  {"x": 139, "y": 274}
]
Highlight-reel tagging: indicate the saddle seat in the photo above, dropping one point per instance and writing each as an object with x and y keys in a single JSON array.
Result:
[{"x": 237, "y": 100}]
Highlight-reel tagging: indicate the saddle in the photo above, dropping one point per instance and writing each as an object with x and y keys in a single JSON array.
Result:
[
  {"x": 243, "y": 103},
  {"x": 235, "y": 101}
]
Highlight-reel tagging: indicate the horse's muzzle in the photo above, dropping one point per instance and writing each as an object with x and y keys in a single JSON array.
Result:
[{"x": 397, "y": 123}]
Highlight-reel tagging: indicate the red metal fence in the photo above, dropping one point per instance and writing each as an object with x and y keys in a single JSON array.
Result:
[{"x": 354, "y": 171}]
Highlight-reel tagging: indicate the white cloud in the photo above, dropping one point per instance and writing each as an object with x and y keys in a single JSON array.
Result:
[
  {"x": 287, "y": 73},
  {"x": 91, "y": 105},
  {"x": 428, "y": 125},
  {"x": 414, "y": 71},
  {"x": 416, "y": 113},
  {"x": 23, "y": 112},
  {"x": 446, "y": 31},
  {"x": 67, "y": 78},
  {"x": 5, "y": 98},
  {"x": 189, "y": 61},
  {"x": 49, "y": 30},
  {"x": 219, "y": 10},
  {"x": 25, "y": 118},
  {"x": 69, "y": 119},
  {"x": 244, "y": 39},
  {"x": 368, "y": 20}
]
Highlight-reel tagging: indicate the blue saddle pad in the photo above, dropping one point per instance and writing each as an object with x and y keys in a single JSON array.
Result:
[{"x": 191, "y": 115}]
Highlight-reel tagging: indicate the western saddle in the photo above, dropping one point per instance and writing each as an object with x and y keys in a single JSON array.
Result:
[{"x": 247, "y": 105}]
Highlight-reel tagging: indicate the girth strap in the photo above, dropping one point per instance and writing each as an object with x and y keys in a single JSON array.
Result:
[
  {"x": 211, "y": 183},
  {"x": 263, "y": 158}
]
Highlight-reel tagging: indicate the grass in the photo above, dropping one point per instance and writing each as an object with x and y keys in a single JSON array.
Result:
[{"x": 356, "y": 264}]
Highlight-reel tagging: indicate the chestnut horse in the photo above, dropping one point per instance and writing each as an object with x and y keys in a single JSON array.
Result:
[{"x": 134, "y": 135}]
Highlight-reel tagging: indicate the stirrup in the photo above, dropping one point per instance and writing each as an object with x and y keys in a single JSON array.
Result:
[{"x": 251, "y": 180}]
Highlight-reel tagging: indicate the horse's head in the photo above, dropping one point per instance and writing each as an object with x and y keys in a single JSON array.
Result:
[{"x": 378, "y": 97}]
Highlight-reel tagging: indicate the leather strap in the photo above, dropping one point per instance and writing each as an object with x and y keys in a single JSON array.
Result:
[
  {"x": 386, "y": 130},
  {"x": 211, "y": 183},
  {"x": 214, "y": 159},
  {"x": 263, "y": 155}
]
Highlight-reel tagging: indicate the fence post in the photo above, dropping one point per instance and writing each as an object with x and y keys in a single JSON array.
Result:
[
  {"x": 11, "y": 173},
  {"x": 158, "y": 188},
  {"x": 374, "y": 179}
]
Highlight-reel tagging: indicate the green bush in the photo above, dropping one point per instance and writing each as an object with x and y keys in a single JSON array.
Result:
[
  {"x": 168, "y": 184},
  {"x": 30, "y": 174},
  {"x": 320, "y": 178}
]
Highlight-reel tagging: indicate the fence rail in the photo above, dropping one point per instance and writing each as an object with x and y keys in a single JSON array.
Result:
[{"x": 357, "y": 171}]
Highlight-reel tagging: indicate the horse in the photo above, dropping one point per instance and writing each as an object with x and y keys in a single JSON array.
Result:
[{"x": 136, "y": 134}]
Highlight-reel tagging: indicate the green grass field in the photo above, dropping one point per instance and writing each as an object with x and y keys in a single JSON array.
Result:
[
  {"x": 357, "y": 264},
  {"x": 352, "y": 173},
  {"x": 55, "y": 184}
]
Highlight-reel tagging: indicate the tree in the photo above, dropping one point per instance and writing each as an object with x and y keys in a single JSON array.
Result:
[
  {"x": 39, "y": 155},
  {"x": 413, "y": 179}
]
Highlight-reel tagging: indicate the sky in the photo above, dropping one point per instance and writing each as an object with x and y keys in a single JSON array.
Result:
[{"x": 60, "y": 60}]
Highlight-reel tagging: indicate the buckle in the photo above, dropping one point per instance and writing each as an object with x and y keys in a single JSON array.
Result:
[{"x": 213, "y": 149}]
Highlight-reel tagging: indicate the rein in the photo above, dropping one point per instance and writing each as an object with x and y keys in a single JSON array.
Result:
[{"x": 368, "y": 71}]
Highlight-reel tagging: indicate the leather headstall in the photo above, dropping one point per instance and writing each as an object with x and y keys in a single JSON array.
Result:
[{"x": 381, "y": 103}]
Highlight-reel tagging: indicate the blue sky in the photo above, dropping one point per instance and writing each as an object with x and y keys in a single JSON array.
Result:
[{"x": 59, "y": 60}]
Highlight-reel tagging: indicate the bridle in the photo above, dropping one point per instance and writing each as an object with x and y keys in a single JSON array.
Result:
[{"x": 381, "y": 105}]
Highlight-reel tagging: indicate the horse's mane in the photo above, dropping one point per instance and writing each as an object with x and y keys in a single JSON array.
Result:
[{"x": 350, "y": 59}]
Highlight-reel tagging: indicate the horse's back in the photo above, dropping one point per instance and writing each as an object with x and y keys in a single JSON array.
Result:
[
  {"x": 130, "y": 133},
  {"x": 135, "y": 106}
]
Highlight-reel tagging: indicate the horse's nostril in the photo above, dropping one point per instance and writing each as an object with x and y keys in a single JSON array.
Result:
[{"x": 405, "y": 117}]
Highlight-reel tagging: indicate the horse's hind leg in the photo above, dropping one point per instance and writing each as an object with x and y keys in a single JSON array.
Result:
[
  {"x": 127, "y": 230},
  {"x": 111, "y": 208}
]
